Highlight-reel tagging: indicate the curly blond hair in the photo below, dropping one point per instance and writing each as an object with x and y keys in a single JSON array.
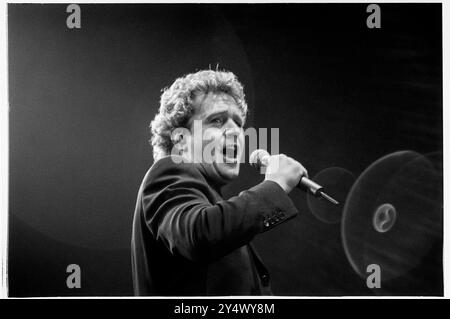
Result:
[{"x": 177, "y": 104}]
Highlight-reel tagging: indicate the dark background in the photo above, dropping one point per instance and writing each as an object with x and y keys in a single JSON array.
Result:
[{"x": 81, "y": 101}]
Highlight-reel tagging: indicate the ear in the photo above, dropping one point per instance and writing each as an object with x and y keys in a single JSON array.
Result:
[
  {"x": 179, "y": 138},
  {"x": 177, "y": 141}
]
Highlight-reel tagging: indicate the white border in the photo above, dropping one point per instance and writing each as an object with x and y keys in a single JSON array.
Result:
[
  {"x": 4, "y": 138},
  {"x": 4, "y": 153},
  {"x": 446, "y": 131}
]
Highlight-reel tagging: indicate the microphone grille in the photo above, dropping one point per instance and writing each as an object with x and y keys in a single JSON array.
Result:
[{"x": 256, "y": 157}]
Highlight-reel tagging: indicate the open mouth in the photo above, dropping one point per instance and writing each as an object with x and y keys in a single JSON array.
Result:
[{"x": 230, "y": 153}]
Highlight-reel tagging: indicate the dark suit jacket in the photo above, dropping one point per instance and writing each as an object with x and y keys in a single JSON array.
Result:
[{"x": 187, "y": 240}]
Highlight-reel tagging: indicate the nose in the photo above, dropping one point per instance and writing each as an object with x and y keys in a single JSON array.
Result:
[{"x": 232, "y": 135}]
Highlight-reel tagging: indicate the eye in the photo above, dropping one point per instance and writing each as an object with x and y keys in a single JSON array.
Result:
[
  {"x": 217, "y": 121},
  {"x": 238, "y": 121}
]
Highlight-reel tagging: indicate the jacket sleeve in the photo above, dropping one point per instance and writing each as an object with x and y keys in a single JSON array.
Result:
[{"x": 178, "y": 213}]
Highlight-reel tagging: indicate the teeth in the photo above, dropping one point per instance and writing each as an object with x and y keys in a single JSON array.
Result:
[
  {"x": 229, "y": 160},
  {"x": 230, "y": 154}
]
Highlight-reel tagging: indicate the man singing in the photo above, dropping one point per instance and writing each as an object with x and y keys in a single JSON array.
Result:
[{"x": 187, "y": 239}]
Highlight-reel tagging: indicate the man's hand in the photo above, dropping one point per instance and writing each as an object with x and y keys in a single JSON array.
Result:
[{"x": 285, "y": 171}]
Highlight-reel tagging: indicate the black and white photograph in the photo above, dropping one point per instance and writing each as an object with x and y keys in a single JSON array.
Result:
[{"x": 225, "y": 149}]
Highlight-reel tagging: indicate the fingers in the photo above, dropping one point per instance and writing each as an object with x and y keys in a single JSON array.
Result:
[
  {"x": 286, "y": 171},
  {"x": 284, "y": 159}
]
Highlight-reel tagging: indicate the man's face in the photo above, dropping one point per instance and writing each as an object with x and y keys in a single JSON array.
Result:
[{"x": 220, "y": 145}]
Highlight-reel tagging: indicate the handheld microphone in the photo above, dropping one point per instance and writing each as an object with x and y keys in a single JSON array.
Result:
[{"x": 260, "y": 158}]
